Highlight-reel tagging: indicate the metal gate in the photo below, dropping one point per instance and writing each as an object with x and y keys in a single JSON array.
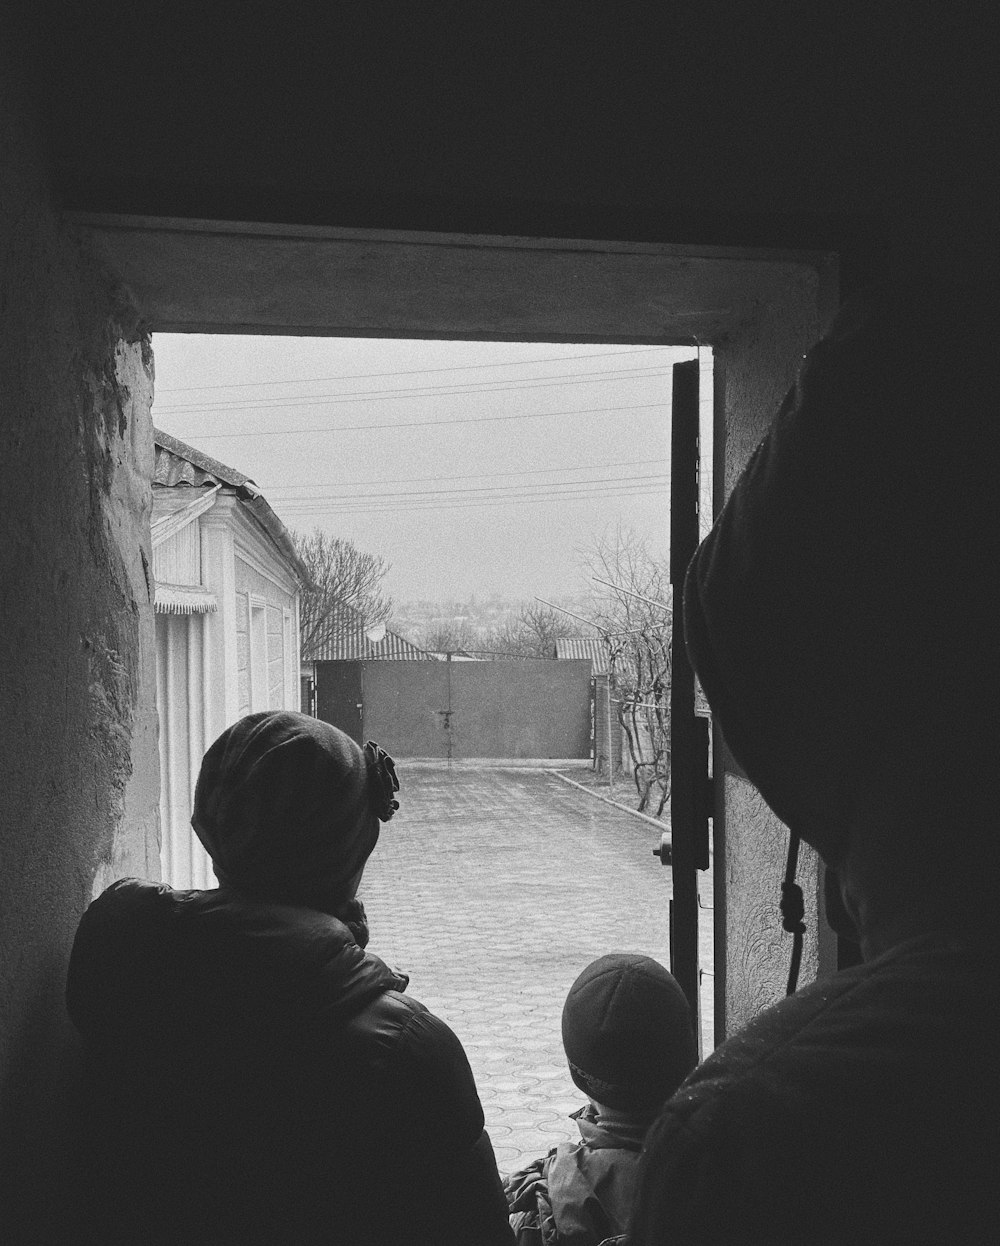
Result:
[{"x": 509, "y": 710}]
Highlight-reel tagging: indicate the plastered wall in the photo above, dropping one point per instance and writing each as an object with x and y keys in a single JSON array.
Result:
[
  {"x": 758, "y": 951},
  {"x": 78, "y": 759},
  {"x": 250, "y": 580},
  {"x": 758, "y": 363}
]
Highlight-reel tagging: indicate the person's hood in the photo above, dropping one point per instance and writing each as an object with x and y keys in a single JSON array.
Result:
[
  {"x": 151, "y": 960},
  {"x": 839, "y": 614}
]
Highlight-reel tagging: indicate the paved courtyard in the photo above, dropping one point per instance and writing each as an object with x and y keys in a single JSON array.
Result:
[{"x": 493, "y": 888}]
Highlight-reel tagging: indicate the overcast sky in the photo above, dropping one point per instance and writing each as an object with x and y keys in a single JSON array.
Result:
[{"x": 473, "y": 467}]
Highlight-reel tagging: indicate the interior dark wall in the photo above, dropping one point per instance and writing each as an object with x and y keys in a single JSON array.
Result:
[
  {"x": 848, "y": 126},
  {"x": 78, "y": 761}
]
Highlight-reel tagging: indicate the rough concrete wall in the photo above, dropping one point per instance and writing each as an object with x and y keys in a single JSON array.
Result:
[{"x": 78, "y": 758}]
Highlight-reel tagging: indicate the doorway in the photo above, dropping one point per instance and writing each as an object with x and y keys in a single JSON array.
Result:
[{"x": 759, "y": 310}]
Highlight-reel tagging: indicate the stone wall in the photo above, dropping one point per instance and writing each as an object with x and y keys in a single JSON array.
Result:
[{"x": 78, "y": 760}]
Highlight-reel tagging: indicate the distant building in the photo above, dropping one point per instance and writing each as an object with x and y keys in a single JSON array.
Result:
[
  {"x": 227, "y": 583},
  {"x": 606, "y": 726},
  {"x": 593, "y": 647},
  {"x": 346, "y": 637}
]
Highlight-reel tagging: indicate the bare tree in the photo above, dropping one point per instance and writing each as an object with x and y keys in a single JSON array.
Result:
[
  {"x": 450, "y": 636},
  {"x": 634, "y": 620},
  {"x": 341, "y": 575},
  {"x": 531, "y": 633}
]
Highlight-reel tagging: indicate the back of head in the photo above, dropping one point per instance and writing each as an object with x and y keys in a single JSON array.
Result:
[
  {"x": 627, "y": 1032},
  {"x": 285, "y": 802},
  {"x": 840, "y": 613}
]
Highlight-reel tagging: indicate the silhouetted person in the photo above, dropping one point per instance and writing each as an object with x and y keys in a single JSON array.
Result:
[
  {"x": 629, "y": 1043},
  {"x": 842, "y": 616},
  {"x": 256, "y": 1076}
]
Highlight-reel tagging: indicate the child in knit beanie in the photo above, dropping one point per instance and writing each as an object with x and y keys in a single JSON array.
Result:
[{"x": 629, "y": 1042}]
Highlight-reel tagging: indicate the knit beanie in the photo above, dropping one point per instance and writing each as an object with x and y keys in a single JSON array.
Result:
[
  {"x": 627, "y": 1032},
  {"x": 285, "y": 801}
]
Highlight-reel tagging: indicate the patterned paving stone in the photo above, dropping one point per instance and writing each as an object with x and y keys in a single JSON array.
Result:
[
  {"x": 508, "y": 1157},
  {"x": 523, "y": 1097},
  {"x": 519, "y": 1119},
  {"x": 493, "y": 888},
  {"x": 562, "y": 1127},
  {"x": 531, "y": 1143}
]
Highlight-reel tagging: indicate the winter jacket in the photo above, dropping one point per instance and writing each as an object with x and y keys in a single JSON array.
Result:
[
  {"x": 581, "y": 1193},
  {"x": 865, "y": 1109},
  {"x": 254, "y": 1077}
]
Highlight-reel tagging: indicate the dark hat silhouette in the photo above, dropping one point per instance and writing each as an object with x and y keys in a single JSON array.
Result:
[{"x": 627, "y": 1032}]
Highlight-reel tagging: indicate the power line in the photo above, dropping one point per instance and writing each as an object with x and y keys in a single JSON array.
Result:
[
  {"x": 379, "y": 508},
  {"x": 382, "y": 491},
  {"x": 545, "y": 486},
  {"x": 521, "y": 471},
  {"x": 339, "y": 515},
  {"x": 293, "y": 402},
  {"x": 480, "y": 419},
  {"x": 362, "y": 376},
  {"x": 359, "y": 506}
]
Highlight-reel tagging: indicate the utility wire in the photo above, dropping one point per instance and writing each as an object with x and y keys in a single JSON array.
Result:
[
  {"x": 480, "y": 419},
  {"x": 527, "y": 488},
  {"x": 377, "y": 508},
  {"x": 362, "y": 376},
  {"x": 374, "y": 503},
  {"x": 495, "y": 491},
  {"x": 293, "y": 402},
  {"x": 521, "y": 471}
]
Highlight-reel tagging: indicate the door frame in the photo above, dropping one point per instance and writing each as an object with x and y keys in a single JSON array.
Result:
[{"x": 758, "y": 309}]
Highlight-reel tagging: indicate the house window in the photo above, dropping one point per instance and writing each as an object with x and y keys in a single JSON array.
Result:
[{"x": 258, "y": 654}]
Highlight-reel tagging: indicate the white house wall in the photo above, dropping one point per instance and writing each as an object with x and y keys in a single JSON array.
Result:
[
  {"x": 275, "y": 658},
  {"x": 178, "y": 559},
  {"x": 180, "y": 676},
  {"x": 264, "y": 610},
  {"x": 206, "y": 662}
]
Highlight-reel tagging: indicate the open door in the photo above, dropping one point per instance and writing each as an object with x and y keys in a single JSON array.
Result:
[{"x": 690, "y": 786}]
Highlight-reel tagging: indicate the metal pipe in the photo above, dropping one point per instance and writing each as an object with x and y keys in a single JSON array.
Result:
[{"x": 628, "y": 593}]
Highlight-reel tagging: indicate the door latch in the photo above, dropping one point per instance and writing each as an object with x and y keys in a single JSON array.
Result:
[{"x": 665, "y": 851}]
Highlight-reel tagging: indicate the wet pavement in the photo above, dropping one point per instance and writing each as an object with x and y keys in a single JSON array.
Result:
[{"x": 493, "y": 887}]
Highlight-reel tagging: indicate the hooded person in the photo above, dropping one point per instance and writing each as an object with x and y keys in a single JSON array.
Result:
[
  {"x": 254, "y": 1074},
  {"x": 840, "y": 618}
]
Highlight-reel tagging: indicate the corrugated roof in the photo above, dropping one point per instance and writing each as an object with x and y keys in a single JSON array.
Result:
[
  {"x": 178, "y": 465},
  {"x": 344, "y": 640},
  {"x": 592, "y": 647}
]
